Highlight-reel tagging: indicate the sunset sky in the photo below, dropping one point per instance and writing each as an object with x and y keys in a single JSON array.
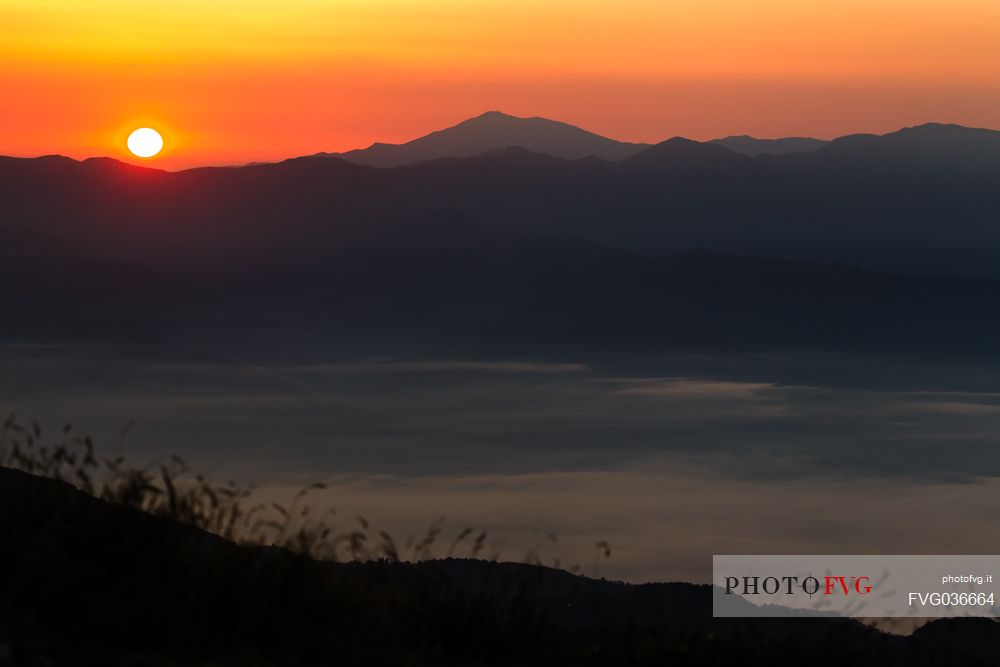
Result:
[{"x": 230, "y": 81}]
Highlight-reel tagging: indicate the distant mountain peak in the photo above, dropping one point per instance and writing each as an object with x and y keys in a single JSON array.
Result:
[
  {"x": 678, "y": 141},
  {"x": 493, "y": 130},
  {"x": 942, "y": 141},
  {"x": 495, "y": 114},
  {"x": 948, "y": 131},
  {"x": 934, "y": 125},
  {"x": 682, "y": 151}
]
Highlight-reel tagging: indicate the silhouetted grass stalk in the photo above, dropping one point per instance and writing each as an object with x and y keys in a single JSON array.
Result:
[{"x": 230, "y": 509}]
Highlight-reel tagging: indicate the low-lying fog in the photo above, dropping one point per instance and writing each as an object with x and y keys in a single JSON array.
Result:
[{"x": 669, "y": 461}]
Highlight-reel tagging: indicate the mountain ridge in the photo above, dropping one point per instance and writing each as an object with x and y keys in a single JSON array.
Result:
[
  {"x": 745, "y": 145},
  {"x": 918, "y": 201},
  {"x": 489, "y": 131}
]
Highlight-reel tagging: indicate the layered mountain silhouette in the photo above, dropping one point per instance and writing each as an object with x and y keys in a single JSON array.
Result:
[
  {"x": 524, "y": 249},
  {"x": 490, "y": 131},
  {"x": 922, "y": 200},
  {"x": 495, "y": 130}
]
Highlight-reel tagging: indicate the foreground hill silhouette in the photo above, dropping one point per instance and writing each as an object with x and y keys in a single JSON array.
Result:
[{"x": 92, "y": 583}]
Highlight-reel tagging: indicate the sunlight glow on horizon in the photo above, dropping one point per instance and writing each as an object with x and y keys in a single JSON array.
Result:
[{"x": 251, "y": 80}]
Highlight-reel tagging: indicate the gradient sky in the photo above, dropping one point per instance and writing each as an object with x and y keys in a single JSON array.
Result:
[{"x": 232, "y": 81}]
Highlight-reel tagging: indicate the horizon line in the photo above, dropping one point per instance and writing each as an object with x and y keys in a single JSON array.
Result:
[{"x": 338, "y": 155}]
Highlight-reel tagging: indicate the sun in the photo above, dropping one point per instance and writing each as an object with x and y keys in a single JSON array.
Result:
[{"x": 145, "y": 142}]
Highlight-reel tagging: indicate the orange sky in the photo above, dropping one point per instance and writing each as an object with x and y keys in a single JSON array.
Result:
[{"x": 231, "y": 81}]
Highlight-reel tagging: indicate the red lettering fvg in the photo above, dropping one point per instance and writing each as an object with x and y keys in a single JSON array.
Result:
[{"x": 859, "y": 585}]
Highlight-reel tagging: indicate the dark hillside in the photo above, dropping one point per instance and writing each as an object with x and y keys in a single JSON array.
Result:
[{"x": 90, "y": 583}]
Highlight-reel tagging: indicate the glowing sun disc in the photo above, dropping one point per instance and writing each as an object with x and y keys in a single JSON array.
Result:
[{"x": 145, "y": 142}]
